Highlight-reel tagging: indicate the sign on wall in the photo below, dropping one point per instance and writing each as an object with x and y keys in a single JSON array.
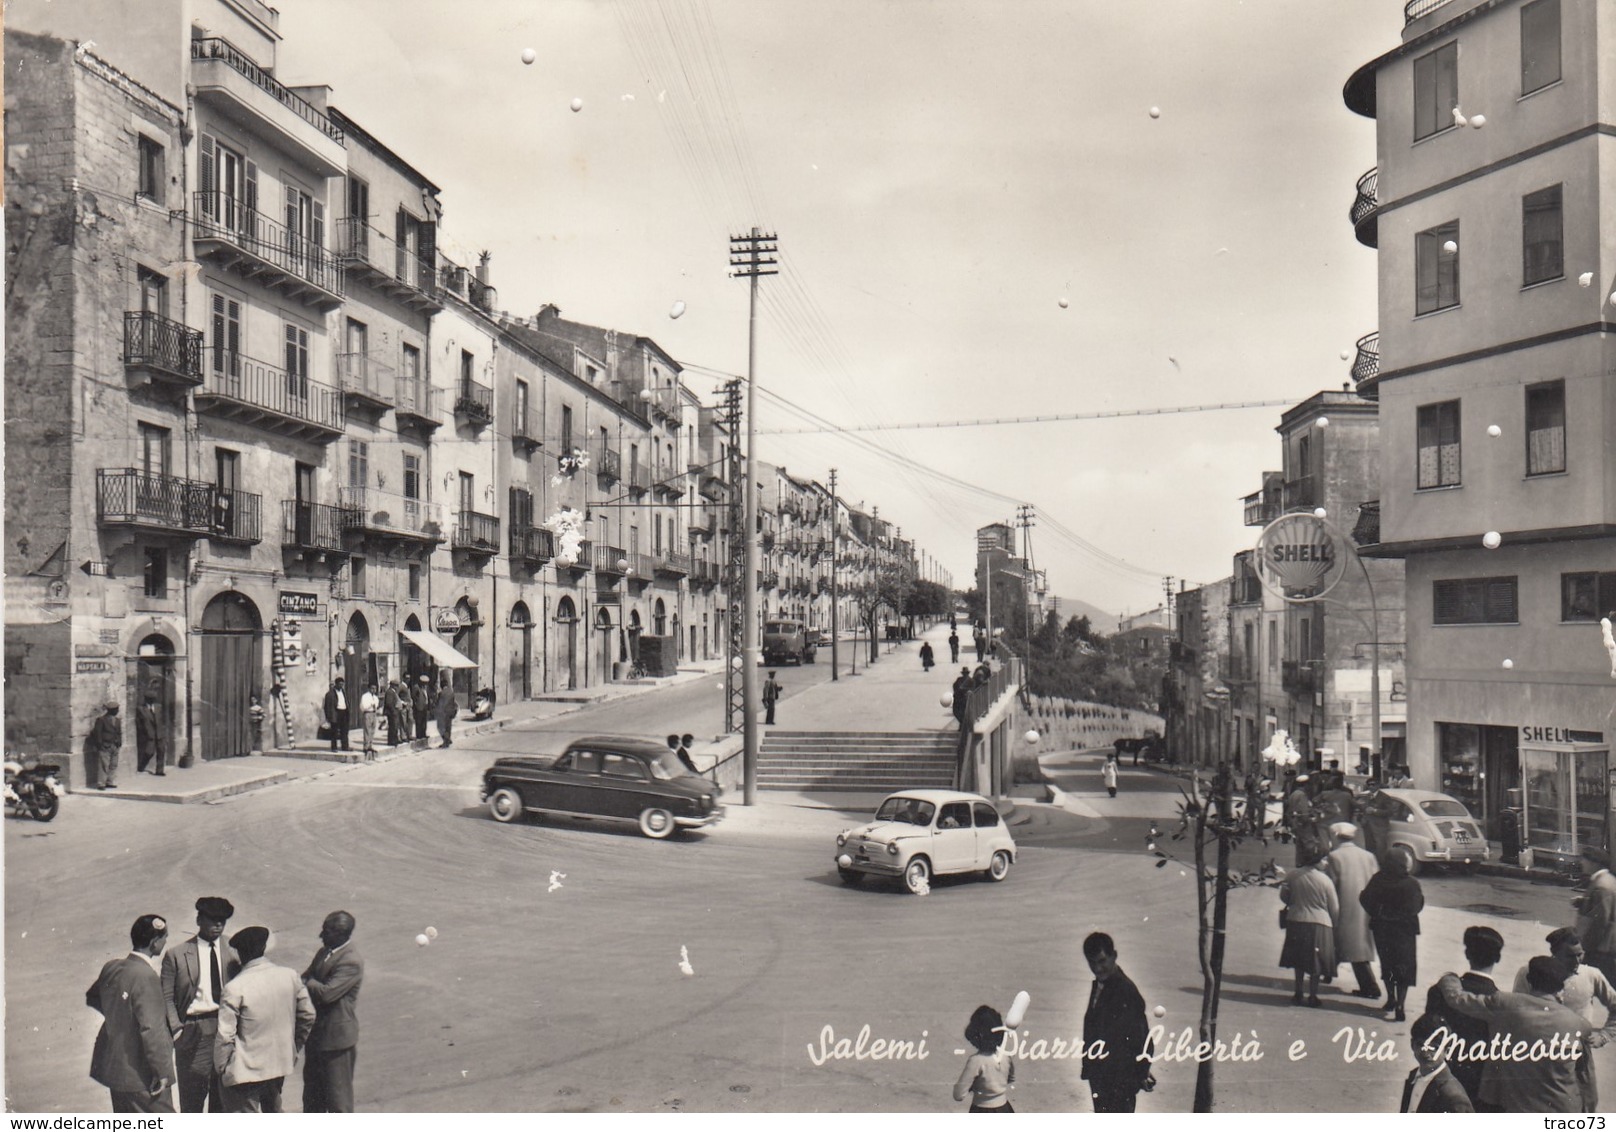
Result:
[
  {"x": 298, "y": 603},
  {"x": 1300, "y": 556},
  {"x": 447, "y": 621}
]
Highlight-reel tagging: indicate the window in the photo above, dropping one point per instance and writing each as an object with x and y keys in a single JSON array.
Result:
[
  {"x": 566, "y": 428},
  {"x": 297, "y": 363},
  {"x": 150, "y": 178},
  {"x": 412, "y": 365},
  {"x": 955, "y": 815},
  {"x": 226, "y": 477},
  {"x": 468, "y": 369},
  {"x": 415, "y": 581},
  {"x": 412, "y": 476},
  {"x": 1542, "y": 236},
  {"x": 986, "y": 816},
  {"x": 156, "y": 447},
  {"x": 1540, "y": 45},
  {"x": 305, "y": 223},
  {"x": 1587, "y": 597},
  {"x": 468, "y": 492},
  {"x": 359, "y": 464},
  {"x": 1438, "y": 443},
  {"x": 1273, "y": 643},
  {"x": 1474, "y": 601},
  {"x": 1304, "y": 640},
  {"x": 1436, "y": 268},
  {"x": 1545, "y": 428},
  {"x": 226, "y": 335},
  {"x": 156, "y": 571},
  {"x": 620, "y": 766},
  {"x": 356, "y": 575},
  {"x": 229, "y": 184},
  {"x": 519, "y": 410},
  {"x": 153, "y": 291},
  {"x": 1436, "y": 90}
]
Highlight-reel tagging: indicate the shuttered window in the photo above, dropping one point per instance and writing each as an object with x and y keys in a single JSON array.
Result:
[
  {"x": 1437, "y": 438},
  {"x": 1474, "y": 601},
  {"x": 1587, "y": 596},
  {"x": 1545, "y": 428}
]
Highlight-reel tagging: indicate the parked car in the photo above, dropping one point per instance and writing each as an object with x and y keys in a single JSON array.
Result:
[
  {"x": 617, "y": 778},
  {"x": 1433, "y": 827},
  {"x": 787, "y": 642},
  {"x": 918, "y": 834}
]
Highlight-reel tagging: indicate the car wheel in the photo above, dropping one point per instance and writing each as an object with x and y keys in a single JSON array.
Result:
[
  {"x": 657, "y": 823},
  {"x": 999, "y": 867},
  {"x": 505, "y": 804},
  {"x": 1413, "y": 859},
  {"x": 917, "y": 876},
  {"x": 849, "y": 876}
]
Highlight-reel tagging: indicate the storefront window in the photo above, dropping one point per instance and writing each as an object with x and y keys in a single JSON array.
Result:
[
  {"x": 1460, "y": 748},
  {"x": 1566, "y": 805}
]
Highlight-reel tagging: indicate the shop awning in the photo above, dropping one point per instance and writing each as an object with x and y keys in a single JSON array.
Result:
[{"x": 444, "y": 655}]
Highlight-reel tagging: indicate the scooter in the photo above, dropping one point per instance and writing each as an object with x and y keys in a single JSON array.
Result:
[{"x": 33, "y": 789}]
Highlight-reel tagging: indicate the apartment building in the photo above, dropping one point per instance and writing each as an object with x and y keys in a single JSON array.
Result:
[
  {"x": 1195, "y": 700},
  {"x": 1493, "y": 368}
]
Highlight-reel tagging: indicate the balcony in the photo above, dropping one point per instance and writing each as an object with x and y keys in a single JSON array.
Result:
[
  {"x": 823, "y": 583},
  {"x": 525, "y": 432},
  {"x": 609, "y": 560},
  {"x": 676, "y": 565},
  {"x": 313, "y": 529},
  {"x": 638, "y": 478},
  {"x": 418, "y": 405},
  {"x": 608, "y": 464},
  {"x": 246, "y": 93},
  {"x": 459, "y": 281},
  {"x": 367, "y": 382},
  {"x": 256, "y": 393},
  {"x": 1414, "y": 9},
  {"x": 474, "y": 405},
  {"x": 533, "y": 546},
  {"x": 373, "y": 257},
  {"x": 668, "y": 482},
  {"x": 1300, "y": 677},
  {"x": 1365, "y": 210},
  {"x": 641, "y": 567},
  {"x": 701, "y": 521},
  {"x": 1245, "y": 588},
  {"x": 703, "y": 572},
  {"x": 582, "y": 563},
  {"x": 768, "y": 579},
  {"x": 1234, "y": 669},
  {"x": 713, "y": 487},
  {"x": 1301, "y": 494},
  {"x": 476, "y": 533},
  {"x": 153, "y": 503},
  {"x": 1366, "y": 531},
  {"x": 237, "y": 517},
  {"x": 160, "y": 350},
  {"x": 1260, "y": 509},
  {"x": 1366, "y": 366},
  {"x": 256, "y": 247},
  {"x": 387, "y": 518}
]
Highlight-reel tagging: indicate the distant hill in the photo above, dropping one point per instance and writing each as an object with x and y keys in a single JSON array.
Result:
[{"x": 1102, "y": 621}]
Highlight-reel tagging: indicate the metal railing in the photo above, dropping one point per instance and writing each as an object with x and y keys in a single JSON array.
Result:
[
  {"x": 532, "y": 544},
  {"x": 358, "y": 240},
  {"x": 475, "y": 400},
  {"x": 606, "y": 559},
  {"x": 237, "y": 516},
  {"x": 982, "y": 697},
  {"x": 365, "y": 376},
  {"x": 159, "y": 343},
  {"x": 1301, "y": 492},
  {"x": 313, "y": 526},
  {"x": 247, "y": 381},
  {"x": 524, "y": 429},
  {"x": 377, "y": 510},
  {"x": 1260, "y": 509},
  {"x": 673, "y": 563},
  {"x": 668, "y": 480},
  {"x": 476, "y": 531},
  {"x": 608, "y": 463},
  {"x": 220, "y": 216},
  {"x": 227, "y": 52},
  {"x": 1366, "y": 531},
  {"x": 641, "y": 567},
  {"x": 1414, "y": 9},
  {"x": 153, "y": 499},
  {"x": 416, "y": 396},
  {"x": 637, "y": 477},
  {"x": 1366, "y": 365},
  {"x": 1368, "y": 198}
]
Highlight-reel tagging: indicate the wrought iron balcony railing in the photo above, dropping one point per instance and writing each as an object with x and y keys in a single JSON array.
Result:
[
  {"x": 387, "y": 263},
  {"x": 245, "y": 387},
  {"x": 609, "y": 559},
  {"x": 584, "y": 561},
  {"x": 224, "y": 50},
  {"x": 220, "y": 217},
  {"x": 1365, "y": 208},
  {"x": 367, "y": 378},
  {"x": 475, "y": 401},
  {"x": 237, "y": 516},
  {"x": 1366, "y": 531},
  {"x": 673, "y": 563},
  {"x": 153, "y": 500},
  {"x": 1301, "y": 493},
  {"x": 1260, "y": 508},
  {"x": 525, "y": 429},
  {"x": 609, "y": 463},
  {"x": 638, "y": 478},
  {"x": 313, "y": 526},
  {"x": 641, "y": 567},
  {"x": 476, "y": 532},
  {"x": 161, "y": 346},
  {"x": 1414, "y": 9},
  {"x": 418, "y": 403},
  {"x": 1300, "y": 677},
  {"x": 534, "y": 545},
  {"x": 1366, "y": 365},
  {"x": 388, "y": 513}
]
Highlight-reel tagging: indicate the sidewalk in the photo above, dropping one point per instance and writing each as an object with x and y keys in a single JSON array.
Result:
[
  {"x": 209, "y": 780},
  {"x": 894, "y": 694}
]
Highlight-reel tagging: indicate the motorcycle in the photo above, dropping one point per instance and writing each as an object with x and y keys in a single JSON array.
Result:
[{"x": 33, "y": 789}]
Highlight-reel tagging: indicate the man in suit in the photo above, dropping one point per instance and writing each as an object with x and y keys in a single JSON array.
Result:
[
  {"x": 333, "y": 980},
  {"x": 336, "y": 713},
  {"x": 421, "y": 704},
  {"x": 1596, "y": 922},
  {"x": 1553, "y": 1081},
  {"x": 1483, "y": 947},
  {"x": 151, "y": 738},
  {"x": 265, "y": 1017},
  {"x": 771, "y": 696},
  {"x": 1442, "y": 1092},
  {"x": 194, "y": 975},
  {"x": 133, "y": 1057},
  {"x": 1115, "y": 1016}
]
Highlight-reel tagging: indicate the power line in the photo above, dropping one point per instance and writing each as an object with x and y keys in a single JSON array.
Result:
[{"x": 1042, "y": 419}]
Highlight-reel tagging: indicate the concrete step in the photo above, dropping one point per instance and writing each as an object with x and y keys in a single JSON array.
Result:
[{"x": 888, "y": 786}]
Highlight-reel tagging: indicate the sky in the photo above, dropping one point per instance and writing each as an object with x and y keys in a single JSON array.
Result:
[{"x": 977, "y": 215}]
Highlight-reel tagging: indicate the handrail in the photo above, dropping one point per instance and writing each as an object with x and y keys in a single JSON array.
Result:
[
  {"x": 1366, "y": 365},
  {"x": 237, "y": 377},
  {"x": 132, "y": 495},
  {"x": 375, "y": 509},
  {"x": 1368, "y": 195},
  {"x": 149, "y": 339},
  {"x": 220, "y": 216},
  {"x": 1414, "y": 9},
  {"x": 214, "y": 47}
]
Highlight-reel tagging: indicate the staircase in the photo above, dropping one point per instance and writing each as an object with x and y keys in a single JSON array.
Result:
[{"x": 877, "y": 761}]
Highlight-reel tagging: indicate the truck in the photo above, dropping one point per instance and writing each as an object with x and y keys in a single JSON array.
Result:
[{"x": 787, "y": 642}]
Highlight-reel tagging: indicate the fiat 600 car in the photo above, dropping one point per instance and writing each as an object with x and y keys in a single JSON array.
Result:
[
  {"x": 620, "y": 779},
  {"x": 918, "y": 834}
]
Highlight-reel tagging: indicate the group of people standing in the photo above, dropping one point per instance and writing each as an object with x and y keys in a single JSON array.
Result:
[
  {"x": 223, "y": 1022},
  {"x": 105, "y": 741},
  {"x": 396, "y": 709}
]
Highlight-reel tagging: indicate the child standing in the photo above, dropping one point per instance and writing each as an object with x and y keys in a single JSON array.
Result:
[{"x": 990, "y": 1071}]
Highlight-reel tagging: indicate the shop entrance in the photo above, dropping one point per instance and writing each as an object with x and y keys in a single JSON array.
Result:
[
  {"x": 227, "y": 675},
  {"x": 1567, "y": 797}
]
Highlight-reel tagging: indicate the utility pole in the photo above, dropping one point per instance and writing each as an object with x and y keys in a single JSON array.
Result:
[
  {"x": 1024, "y": 516},
  {"x": 1167, "y": 601},
  {"x": 835, "y": 633},
  {"x": 750, "y": 257},
  {"x": 735, "y": 572}
]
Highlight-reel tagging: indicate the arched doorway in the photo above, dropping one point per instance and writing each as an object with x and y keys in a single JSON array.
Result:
[
  {"x": 659, "y": 618},
  {"x": 154, "y": 673},
  {"x": 358, "y": 663},
  {"x": 634, "y": 631},
  {"x": 414, "y": 663},
  {"x": 603, "y": 624},
  {"x": 466, "y": 640},
  {"x": 567, "y": 641},
  {"x": 522, "y": 651},
  {"x": 228, "y": 674}
]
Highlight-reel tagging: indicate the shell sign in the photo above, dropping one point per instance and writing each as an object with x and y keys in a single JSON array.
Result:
[{"x": 1300, "y": 556}]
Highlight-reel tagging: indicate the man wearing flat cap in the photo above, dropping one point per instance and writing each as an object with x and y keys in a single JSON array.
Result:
[
  {"x": 105, "y": 741},
  {"x": 194, "y": 975},
  {"x": 1350, "y": 866},
  {"x": 265, "y": 1017},
  {"x": 132, "y": 1057}
]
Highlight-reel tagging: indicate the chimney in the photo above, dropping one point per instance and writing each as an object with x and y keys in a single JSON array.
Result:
[{"x": 482, "y": 267}]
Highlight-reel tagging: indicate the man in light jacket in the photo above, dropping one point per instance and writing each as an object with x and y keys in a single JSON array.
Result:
[
  {"x": 1596, "y": 922},
  {"x": 1350, "y": 866},
  {"x": 264, "y": 1019}
]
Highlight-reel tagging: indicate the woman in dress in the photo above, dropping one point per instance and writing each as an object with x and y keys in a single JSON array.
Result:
[
  {"x": 1109, "y": 773},
  {"x": 990, "y": 1071},
  {"x": 1393, "y": 900},
  {"x": 1311, "y": 909}
]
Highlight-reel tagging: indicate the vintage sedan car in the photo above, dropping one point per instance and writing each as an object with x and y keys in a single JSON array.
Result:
[
  {"x": 918, "y": 834},
  {"x": 1434, "y": 828},
  {"x": 616, "y": 778}
]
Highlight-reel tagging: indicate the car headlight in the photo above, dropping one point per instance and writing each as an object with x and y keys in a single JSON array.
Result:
[
  {"x": 893, "y": 848},
  {"x": 841, "y": 839}
]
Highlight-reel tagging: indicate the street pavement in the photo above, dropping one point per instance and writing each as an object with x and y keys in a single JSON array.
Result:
[{"x": 554, "y": 981}]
